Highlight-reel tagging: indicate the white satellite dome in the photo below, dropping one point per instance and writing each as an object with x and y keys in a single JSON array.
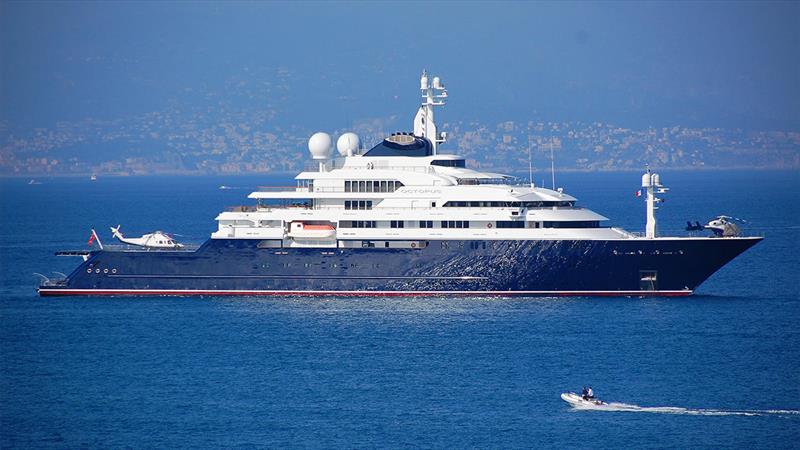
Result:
[
  {"x": 347, "y": 144},
  {"x": 320, "y": 145}
]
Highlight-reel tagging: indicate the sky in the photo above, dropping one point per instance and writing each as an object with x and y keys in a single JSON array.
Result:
[{"x": 634, "y": 64}]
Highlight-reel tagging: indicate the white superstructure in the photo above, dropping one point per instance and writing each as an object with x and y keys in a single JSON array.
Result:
[{"x": 404, "y": 189}]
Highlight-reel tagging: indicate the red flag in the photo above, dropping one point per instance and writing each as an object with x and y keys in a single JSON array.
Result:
[
  {"x": 91, "y": 239},
  {"x": 639, "y": 193}
]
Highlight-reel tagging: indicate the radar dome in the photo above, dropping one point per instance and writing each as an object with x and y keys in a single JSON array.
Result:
[
  {"x": 320, "y": 145},
  {"x": 347, "y": 144}
]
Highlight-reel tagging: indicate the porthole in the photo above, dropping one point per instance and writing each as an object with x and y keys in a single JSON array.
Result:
[
  {"x": 88, "y": 270},
  {"x": 96, "y": 270},
  {"x": 113, "y": 270},
  {"x": 105, "y": 270}
]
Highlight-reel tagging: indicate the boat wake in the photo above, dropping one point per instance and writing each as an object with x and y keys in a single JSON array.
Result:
[{"x": 625, "y": 407}]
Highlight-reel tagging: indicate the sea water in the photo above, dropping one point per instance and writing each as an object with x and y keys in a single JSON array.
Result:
[{"x": 396, "y": 372}]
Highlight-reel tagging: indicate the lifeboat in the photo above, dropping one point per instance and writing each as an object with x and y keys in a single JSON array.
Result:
[{"x": 300, "y": 230}]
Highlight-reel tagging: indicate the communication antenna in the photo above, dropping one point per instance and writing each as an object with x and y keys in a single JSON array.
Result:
[
  {"x": 530, "y": 163},
  {"x": 433, "y": 94},
  {"x": 651, "y": 182},
  {"x": 552, "y": 165}
]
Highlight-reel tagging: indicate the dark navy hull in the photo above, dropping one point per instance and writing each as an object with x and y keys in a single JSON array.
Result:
[{"x": 543, "y": 267}]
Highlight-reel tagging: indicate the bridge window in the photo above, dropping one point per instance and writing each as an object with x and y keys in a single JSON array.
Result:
[
  {"x": 426, "y": 224},
  {"x": 372, "y": 186},
  {"x": 449, "y": 163},
  {"x": 397, "y": 224}
]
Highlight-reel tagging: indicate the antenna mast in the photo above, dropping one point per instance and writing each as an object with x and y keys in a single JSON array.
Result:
[
  {"x": 552, "y": 165},
  {"x": 651, "y": 182},
  {"x": 433, "y": 94},
  {"x": 530, "y": 162}
]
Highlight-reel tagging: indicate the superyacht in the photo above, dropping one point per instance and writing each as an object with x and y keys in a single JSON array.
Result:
[{"x": 401, "y": 218}]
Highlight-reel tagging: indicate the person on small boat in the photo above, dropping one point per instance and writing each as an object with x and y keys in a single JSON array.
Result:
[
  {"x": 590, "y": 394},
  {"x": 585, "y": 394}
]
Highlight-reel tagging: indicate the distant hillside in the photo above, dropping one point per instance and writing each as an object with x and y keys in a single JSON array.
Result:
[{"x": 220, "y": 139}]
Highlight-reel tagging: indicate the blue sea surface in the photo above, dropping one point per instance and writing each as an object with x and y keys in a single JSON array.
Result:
[{"x": 436, "y": 372}]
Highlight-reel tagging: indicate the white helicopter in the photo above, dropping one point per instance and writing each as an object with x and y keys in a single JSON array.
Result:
[
  {"x": 156, "y": 239},
  {"x": 724, "y": 226}
]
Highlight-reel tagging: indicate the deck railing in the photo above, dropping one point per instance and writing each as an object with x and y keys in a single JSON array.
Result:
[
  {"x": 372, "y": 165},
  {"x": 242, "y": 208},
  {"x": 283, "y": 189}
]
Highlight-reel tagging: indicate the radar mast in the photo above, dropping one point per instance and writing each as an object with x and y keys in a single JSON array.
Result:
[
  {"x": 433, "y": 94},
  {"x": 651, "y": 182}
]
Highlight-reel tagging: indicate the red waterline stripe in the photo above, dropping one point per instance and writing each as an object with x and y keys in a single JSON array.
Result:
[{"x": 148, "y": 292}]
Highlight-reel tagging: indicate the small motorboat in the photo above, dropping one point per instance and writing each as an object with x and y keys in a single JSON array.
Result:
[{"x": 579, "y": 402}]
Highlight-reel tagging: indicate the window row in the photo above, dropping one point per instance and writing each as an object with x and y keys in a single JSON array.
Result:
[
  {"x": 449, "y": 162},
  {"x": 357, "y": 224},
  {"x": 372, "y": 186},
  {"x": 510, "y": 224},
  {"x": 455, "y": 224},
  {"x": 358, "y": 204},
  {"x": 485, "y": 204},
  {"x": 575, "y": 224},
  {"x": 466, "y": 224},
  {"x": 321, "y": 265}
]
